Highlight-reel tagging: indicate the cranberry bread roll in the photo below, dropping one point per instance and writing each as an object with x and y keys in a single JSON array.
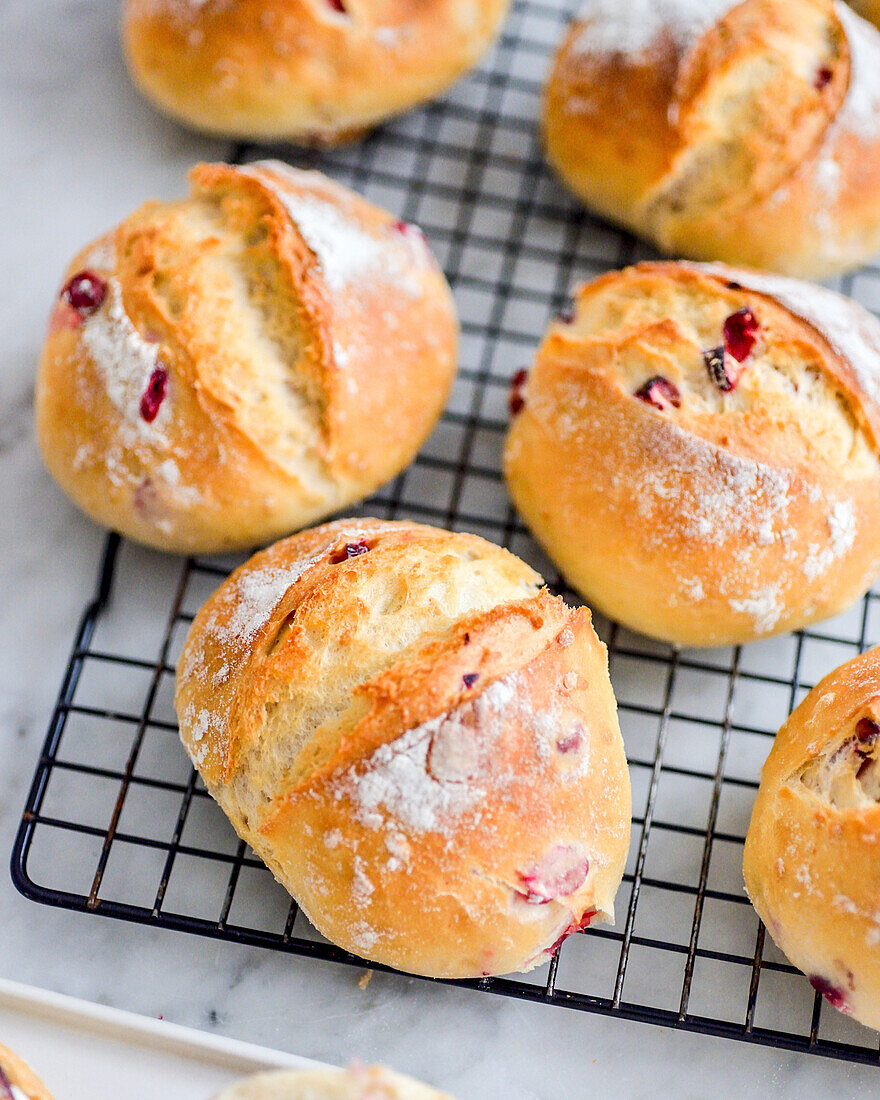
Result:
[
  {"x": 697, "y": 450},
  {"x": 227, "y": 368},
  {"x": 811, "y": 850},
  {"x": 18, "y": 1081},
  {"x": 747, "y": 132},
  {"x": 312, "y": 71},
  {"x": 357, "y": 1083},
  {"x": 418, "y": 740}
]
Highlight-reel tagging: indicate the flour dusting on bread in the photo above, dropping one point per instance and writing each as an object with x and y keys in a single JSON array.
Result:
[
  {"x": 426, "y": 779},
  {"x": 124, "y": 359},
  {"x": 860, "y": 113},
  {"x": 735, "y": 496},
  {"x": 347, "y": 253},
  {"x": 629, "y": 27}
]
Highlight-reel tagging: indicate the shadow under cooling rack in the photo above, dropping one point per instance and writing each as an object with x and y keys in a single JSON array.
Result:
[{"x": 118, "y": 824}]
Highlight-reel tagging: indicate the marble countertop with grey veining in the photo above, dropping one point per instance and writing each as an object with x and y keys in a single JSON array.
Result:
[{"x": 79, "y": 149}]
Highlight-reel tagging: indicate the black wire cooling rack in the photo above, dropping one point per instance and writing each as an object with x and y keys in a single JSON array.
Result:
[{"x": 118, "y": 824}]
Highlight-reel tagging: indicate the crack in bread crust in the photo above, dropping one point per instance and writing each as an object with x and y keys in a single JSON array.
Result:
[
  {"x": 282, "y": 353},
  {"x": 745, "y": 132},
  {"x": 385, "y": 709}
]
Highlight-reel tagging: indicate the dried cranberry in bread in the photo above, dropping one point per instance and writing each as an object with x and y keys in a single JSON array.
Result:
[
  {"x": 224, "y": 369},
  {"x": 418, "y": 740},
  {"x": 813, "y": 844},
  {"x": 358, "y": 1083},
  {"x": 697, "y": 450},
  {"x": 312, "y": 71},
  {"x": 17, "y": 1079},
  {"x": 747, "y": 132}
]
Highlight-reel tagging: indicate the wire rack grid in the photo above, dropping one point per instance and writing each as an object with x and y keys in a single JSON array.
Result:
[{"x": 118, "y": 824}]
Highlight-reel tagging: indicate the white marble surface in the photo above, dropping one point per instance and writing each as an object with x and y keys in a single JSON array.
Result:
[{"x": 78, "y": 150}]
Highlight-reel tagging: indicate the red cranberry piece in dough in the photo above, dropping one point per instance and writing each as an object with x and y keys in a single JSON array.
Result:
[
  {"x": 741, "y": 334},
  {"x": 571, "y": 741},
  {"x": 517, "y": 401},
  {"x": 146, "y": 502},
  {"x": 407, "y": 229},
  {"x": 867, "y": 731},
  {"x": 575, "y": 926},
  {"x": 726, "y": 363},
  {"x": 337, "y": 5},
  {"x": 154, "y": 394},
  {"x": 554, "y": 947},
  {"x": 85, "y": 292},
  {"x": 560, "y": 873},
  {"x": 350, "y": 550},
  {"x": 660, "y": 393},
  {"x": 835, "y": 996},
  {"x": 822, "y": 78}
]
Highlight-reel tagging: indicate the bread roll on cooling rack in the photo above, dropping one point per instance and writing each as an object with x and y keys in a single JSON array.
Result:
[
  {"x": 312, "y": 71},
  {"x": 747, "y": 132},
  {"x": 229, "y": 367},
  {"x": 418, "y": 740},
  {"x": 697, "y": 450},
  {"x": 357, "y": 1083},
  {"x": 811, "y": 853},
  {"x": 18, "y": 1081}
]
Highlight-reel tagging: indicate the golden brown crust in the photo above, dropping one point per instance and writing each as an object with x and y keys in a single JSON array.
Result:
[
  {"x": 297, "y": 324},
  {"x": 18, "y": 1073},
  {"x": 734, "y": 515},
  {"x": 867, "y": 9},
  {"x": 811, "y": 850},
  {"x": 299, "y": 69},
  {"x": 460, "y": 747},
  {"x": 744, "y": 132}
]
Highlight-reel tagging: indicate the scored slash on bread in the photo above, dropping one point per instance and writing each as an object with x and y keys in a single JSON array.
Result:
[
  {"x": 810, "y": 860},
  {"x": 232, "y": 366},
  {"x": 697, "y": 448},
  {"x": 739, "y": 130},
  {"x": 419, "y": 741}
]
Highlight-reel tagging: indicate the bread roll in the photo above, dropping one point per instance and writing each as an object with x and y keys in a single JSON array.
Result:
[
  {"x": 418, "y": 740},
  {"x": 357, "y": 1083},
  {"x": 745, "y": 132},
  {"x": 18, "y": 1081},
  {"x": 811, "y": 851},
  {"x": 229, "y": 367},
  {"x": 697, "y": 450},
  {"x": 311, "y": 71}
]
